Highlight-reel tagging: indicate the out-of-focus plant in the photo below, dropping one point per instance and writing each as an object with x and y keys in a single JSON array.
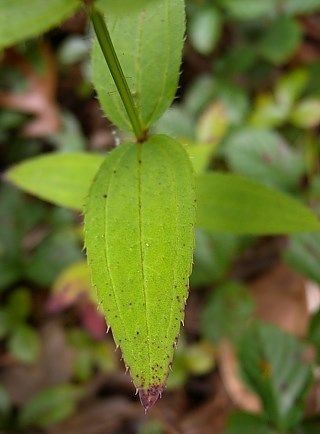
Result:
[{"x": 140, "y": 197}]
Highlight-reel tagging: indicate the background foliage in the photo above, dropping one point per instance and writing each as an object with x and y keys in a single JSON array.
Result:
[{"x": 248, "y": 104}]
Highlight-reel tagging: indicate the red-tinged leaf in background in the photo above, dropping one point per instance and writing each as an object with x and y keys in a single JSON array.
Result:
[{"x": 39, "y": 97}]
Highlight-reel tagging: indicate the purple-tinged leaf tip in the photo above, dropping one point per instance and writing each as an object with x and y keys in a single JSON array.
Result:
[{"x": 148, "y": 397}]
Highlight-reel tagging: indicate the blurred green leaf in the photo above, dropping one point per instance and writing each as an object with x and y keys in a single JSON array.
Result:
[
  {"x": 268, "y": 112},
  {"x": 235, "y": 204},
  {"x": 275, "y": 369},
  {"x": 291, "y": 86},
  {"x": 176, "y": 122},
  {"x": 61, "y": 178},
  {"x": 4, "y": 400},
  {"x": 199, "y": 94},
  {"x": 70, "y": 137},
  {"x": 246, "y": 423},
  {"x": 73, "y": 49},
  {"x": 18, "y": 215},
  {"x": 200, "y": 155},
  {"x": 5, "y": 323},
  {"x": 300, "y": 7},
  {"x": 205, "y": 29},
  {"x": 314, "y": 333},
  {"x": 213, "y": 256},
  {"x": 49, "y": 406},
  {"x": 199, "y": 358},
  {"x": 307, "y": 113},
  {"x": 213, "y": 123},
  {"x": 238, "y": 60},
  {"x": 90, "y": 354},
  {"x": 264, "y": 156},
  {"x": 52, "y": 256},
  {"x": 22, "y": 19},
  {"x": 281, "y": 40},
  {"x": 249, "y": 9},
  {"x": 24, "y": 344},
  {"x": 227, "y": 313},
  {"x": 19, "y": 305},
  {"x": 303, "y": 254},
  {"x": 309, "y": 426},
  {"x": 151, "y": 427}
]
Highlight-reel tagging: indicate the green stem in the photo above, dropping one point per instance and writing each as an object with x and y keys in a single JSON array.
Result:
[{"x": 112, "y": 60}]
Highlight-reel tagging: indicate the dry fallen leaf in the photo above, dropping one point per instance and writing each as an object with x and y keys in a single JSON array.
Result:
[{"x": 39, "y": 98}]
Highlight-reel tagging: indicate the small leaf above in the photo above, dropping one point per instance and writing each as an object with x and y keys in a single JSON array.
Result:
[
  {"x": 235, "y": 204},
  {"x": 22, "y": 19},
  {"x": 148, "y": 37},
  {"x": 139, "y": 235}
]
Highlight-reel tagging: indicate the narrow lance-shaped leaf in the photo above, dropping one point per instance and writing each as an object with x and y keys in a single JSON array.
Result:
[
  {"x": 139, "y": 234},
  {"x": 148, "y": 38},
  {"x": 233, "y": 203},
  {"x": 21, "y": 19},
  {"x": 225, "y": 202},
  {"x": 63, "y": 179}
]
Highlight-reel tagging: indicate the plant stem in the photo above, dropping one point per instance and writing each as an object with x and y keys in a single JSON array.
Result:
[{"x": 112, "y": 60}]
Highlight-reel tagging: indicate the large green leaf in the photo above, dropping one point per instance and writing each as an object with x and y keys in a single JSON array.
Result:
[
  {"x": 232, "y": 203},
  {"x": 275, "y": 369},
  {"x": 139, "y": 234},
  {"x": 148, "y": 37},
  {"x": 21, "y": 19},
  {"x": 63, "y": 179}
]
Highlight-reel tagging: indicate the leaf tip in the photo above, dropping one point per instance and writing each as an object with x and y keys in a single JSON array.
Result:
[{"x": 148, "y": 397}]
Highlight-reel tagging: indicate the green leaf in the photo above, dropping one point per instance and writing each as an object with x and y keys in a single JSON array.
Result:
[
  {"x": 281, "y": 40},
  {"x": 307, "y": 113},
  {"x": 227, "y": 313},
  {"x": 59, "y": 249},
  {"x": 291, "y": 86},
  {"x": 63, "y": 179},
  {"x": 148, "y": 37},
  {"x": 18, "y": 215},
  {"x": 19, "y": 305},
  {"x": 22, "y": 19},
  {"x": 314, "y": 333},
  {"x": 303, "y": 254},
  {"x": 139, "y": 224},
  {"x": 226, "y": 203},
  {"x": 232, "y": 203},
  {"x": 264, "y": 156},
  {"x": 50, "y": 406},
  {"x": 274, "y": 368},
  {"x": 24, "y": 344},
  {"x": 4, "y": 400},
  {"x": 176, "y": 122},
  {"x": 213, "y": 256},
  {"x": 205, "y": 29},
  {"x": 268, "y": 112},
  {"x": 309, "y": 426},
  {"x": 294, "y": 7},
  {"x": 246, "y": 423},
  {"x": 249, "y": 9}
]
